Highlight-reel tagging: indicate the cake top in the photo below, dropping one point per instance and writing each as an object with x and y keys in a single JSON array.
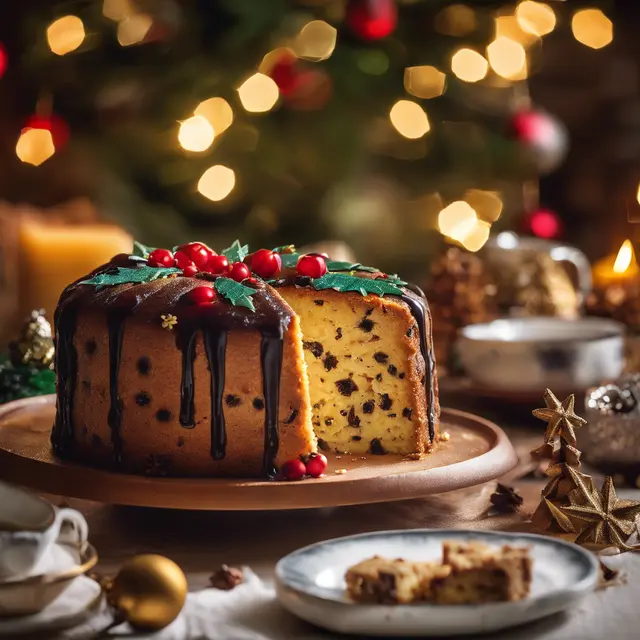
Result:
[{"x": 231, "y": 289}]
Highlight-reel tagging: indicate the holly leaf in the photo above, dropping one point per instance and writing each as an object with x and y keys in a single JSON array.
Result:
[
  {"x": 336, "y": 265},
  {"x": 236, "y": 252},
  {"x": 234, "y": 292},
  {"x": 286, "y": 248},
  {"x": 125, "y": 275},
  {"x": 141, "y": 250},
  {"x": 289, "y": 259},
  {"x": 345, "y": 282}
]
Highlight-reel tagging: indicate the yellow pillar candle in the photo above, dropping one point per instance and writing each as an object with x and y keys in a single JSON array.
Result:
[
  {"x": 618, "y": 270},
  {"x": 52, "y": 256}
]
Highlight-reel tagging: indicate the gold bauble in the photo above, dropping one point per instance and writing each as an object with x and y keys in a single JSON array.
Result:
[{"x": 149, "y": 592}]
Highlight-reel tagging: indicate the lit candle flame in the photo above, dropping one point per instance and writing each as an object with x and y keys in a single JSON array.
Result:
[
  {"x": 624, "y": 257},
  {"x": 638, "y": 194}
]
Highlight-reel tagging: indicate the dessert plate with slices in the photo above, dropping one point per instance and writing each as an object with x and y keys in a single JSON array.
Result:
[
  {"x": 433, "y": 582},
  {"x": 477, "y": 451}
]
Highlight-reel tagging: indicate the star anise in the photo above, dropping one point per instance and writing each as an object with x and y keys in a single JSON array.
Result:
[
  {"x": 505, "y": 499},
  {"x": 608, "y": 520},
  {"x": 561, "y": 418}
]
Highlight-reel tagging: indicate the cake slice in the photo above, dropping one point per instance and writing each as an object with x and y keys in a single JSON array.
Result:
[
  {"x": 383, "y": 581},
  {"x": 480, "y": 573}
]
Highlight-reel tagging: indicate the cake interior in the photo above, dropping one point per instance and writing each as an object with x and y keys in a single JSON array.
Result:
[{"x": 363, "y": 371}]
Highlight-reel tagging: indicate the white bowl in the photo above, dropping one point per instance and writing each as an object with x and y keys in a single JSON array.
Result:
[{"x": 530, "y": 354}]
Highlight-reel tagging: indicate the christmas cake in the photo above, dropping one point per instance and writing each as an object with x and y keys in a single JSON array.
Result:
[{"x": 186, "y": 362}]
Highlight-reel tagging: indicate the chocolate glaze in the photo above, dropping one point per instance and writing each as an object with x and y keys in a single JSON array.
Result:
[{"x": 146, "y": 303}]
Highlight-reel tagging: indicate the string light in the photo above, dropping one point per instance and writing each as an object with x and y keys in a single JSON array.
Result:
[
  {"x": 508, "y": 58},
  {"x": 487, "y": 204},
  {"x": 478, "y": 236},
  {"x": 218, "y": 112},
  {"x": 509, "y": 27},
  {"x": 409, "y": 119},
  {"x": 457, "y": 220},
  {"x": 117, "y": 10},
  {"x": 35, "y": 146},
  {"x": 259, "y": 93},
  {"x": 592, "y": 28},
  {"x": 134, "y": 29},
  {"x": 196, "y": 134},
  {"x": 456, "y": 20},
  {"x": 217, "y": 182},
  {"x": 316, "y": 41},
  {"x": 273, "y": 57},
  {"x": 65, "y": 35},
  {"x": 537, "y": 18},
  {"x": 424, "y": 82},
  {"x": 469, "y": 65}
]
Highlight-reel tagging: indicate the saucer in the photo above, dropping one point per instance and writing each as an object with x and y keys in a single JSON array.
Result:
[
  {"x": 310, "y": 584},
  {"x": 54, "y": 573}
]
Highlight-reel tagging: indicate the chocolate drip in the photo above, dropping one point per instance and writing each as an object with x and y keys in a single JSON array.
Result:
[
  {"x": 420, "y": 310},
  {"x": 115, "y": 327},
  {"x": 215, "y": 344},
  {"x": 271, "y": 350},
  {"x": 66, "y": 365},
  {"x": 187, "y": 407}
]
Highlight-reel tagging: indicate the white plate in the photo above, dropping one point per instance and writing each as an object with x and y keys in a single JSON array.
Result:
[
  {"x": 310, "y": 584},
  {"x": 73, "y": 607}
]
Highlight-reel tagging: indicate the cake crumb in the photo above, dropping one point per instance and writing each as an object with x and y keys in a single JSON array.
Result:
[{"x": 340, "y": 472}]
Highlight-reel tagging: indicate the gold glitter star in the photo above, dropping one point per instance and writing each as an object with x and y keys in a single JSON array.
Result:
[
  {"x": 168, "y": 321},
  {"x": 561, "y": 418},
  {"x": 608, "y": 520}
]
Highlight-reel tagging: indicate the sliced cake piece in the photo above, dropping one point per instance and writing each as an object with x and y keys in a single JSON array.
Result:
[
  {"x": 480, "y": 573},
  {"x": 384, "y": 581}
]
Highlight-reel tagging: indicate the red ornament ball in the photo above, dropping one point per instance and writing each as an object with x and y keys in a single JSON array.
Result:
[
  {"x": 316, "y": 465},
  {"x": 239, "y": 271},
  {"x": 161, "y": 258},
  {"x": 286, "y": 74},
  {"x": 312, "y": 266},
  {"x": 544, "y": 224},
  {"x": 4, "y": 60},
  {"x": 183, "y": 260},
  {"x": 197, "y": 252},
  {"x": 293, "y": 470},
  {"x": 201, "y": 295},
  {"x": 190, "y": 271},
  {"x": 217, "y": 265},
  {"x": 266, "y": 263},
  {"x": 372, "y": 19}
]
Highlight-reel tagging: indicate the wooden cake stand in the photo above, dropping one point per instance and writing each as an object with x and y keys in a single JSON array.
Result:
[{"x": 478, "y": 451}]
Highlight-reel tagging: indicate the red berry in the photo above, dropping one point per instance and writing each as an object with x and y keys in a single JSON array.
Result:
[
  {"x": 293, "y": 470},
  {"x": 217, "y": 265},
  {"x": 202, "y": 295},
  {"x": 316, "y": 465},
  {"x": 239, "y": 271},
  {"x": 312, "y": 266},
  {"x": 197, "y": 252},
  {"x": 266, "y": 263},
  {"x": 190, "y": 270},
  {"x": 161, "y": 258},
  {"x": 183, "y": 260}
]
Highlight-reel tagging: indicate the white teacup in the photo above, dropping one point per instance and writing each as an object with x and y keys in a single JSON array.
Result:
[{"x": 29, "y": 525}]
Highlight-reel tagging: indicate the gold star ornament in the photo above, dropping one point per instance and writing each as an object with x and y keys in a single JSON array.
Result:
[
  {"x": 560, "y": 417},
  {"x": 606, "y": 518},
  {"x": 168, "y": 321}
]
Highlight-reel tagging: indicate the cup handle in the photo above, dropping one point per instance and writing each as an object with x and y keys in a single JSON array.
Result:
[
  {"x": 580, "y": 262},
  {"x": 77, "y": 521}
]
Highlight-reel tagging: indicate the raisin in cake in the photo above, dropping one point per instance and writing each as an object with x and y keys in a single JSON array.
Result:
[{"x": 188, "y": 362}]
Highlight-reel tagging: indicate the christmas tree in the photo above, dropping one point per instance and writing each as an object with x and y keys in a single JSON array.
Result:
[{"x": 378, "y": 122}]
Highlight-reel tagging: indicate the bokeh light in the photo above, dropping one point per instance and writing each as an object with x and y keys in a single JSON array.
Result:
[
  {"x": 196, "y": 134},
  {"x": 507, "y": 58},
  {"x": 218, "y": 112},
  {"x": 487, "y": 204},
  {"x": 409, "y": 119},
  {"x": 477, "y": 237},
  {"x": 217, "y": 182},
  {"x": 259, "y": 93},
  {"x": 537, "y": 18},
  {"x": 592, "y": 28},
  {"x": 457, "y": 220},
  {"x": 508, "y": 26},
  {"x": 424, "y": 82},
  {"x": 545, "y": 224},
  {"x": 65, "y": 35},
  {"x": 117, "y": 10},
  {"x": 134, "y": 29},
  {"x": 35, "y": 146},
  {"x": 316, "y": 41},
  {"x": 469, "y": 65},
  {"x": 456, "y": 20}
]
